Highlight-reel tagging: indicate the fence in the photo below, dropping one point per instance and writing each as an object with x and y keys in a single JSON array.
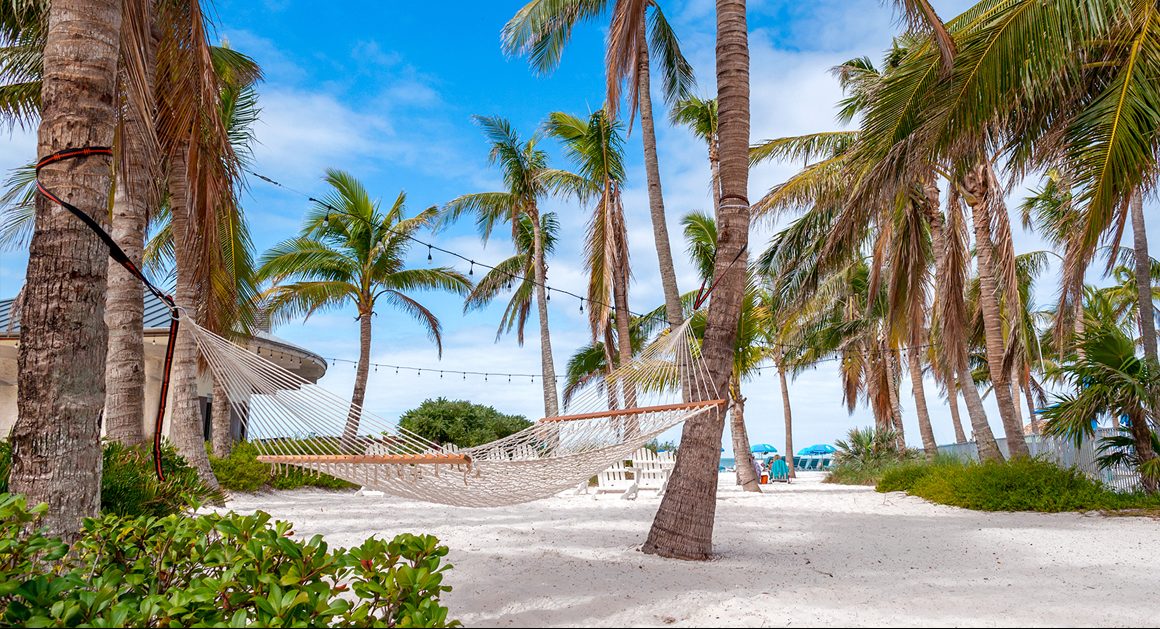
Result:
[{"x": 1064, "y": 454}]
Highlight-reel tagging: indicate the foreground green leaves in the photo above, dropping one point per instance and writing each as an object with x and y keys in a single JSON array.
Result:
[{"x": 214, "y": 570}]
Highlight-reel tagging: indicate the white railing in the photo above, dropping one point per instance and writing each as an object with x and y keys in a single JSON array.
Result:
[{"x": 1064, "y": 454}]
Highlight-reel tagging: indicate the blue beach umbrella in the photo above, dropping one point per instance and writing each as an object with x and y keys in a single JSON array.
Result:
[
  {"x": 762, "y": 448},
  {"x": 817, "y": 448}
]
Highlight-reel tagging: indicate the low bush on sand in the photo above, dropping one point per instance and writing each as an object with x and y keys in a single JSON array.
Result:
[{"x": 1017, "y": 485}]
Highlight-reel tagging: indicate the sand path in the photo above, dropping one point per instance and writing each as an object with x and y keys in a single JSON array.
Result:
[{"x": 802, "y": 554}]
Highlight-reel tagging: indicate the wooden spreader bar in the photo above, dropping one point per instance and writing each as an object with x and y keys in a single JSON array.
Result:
[
  {"x": 385, "y": 459},
  {"x": 641, "y": 410}
]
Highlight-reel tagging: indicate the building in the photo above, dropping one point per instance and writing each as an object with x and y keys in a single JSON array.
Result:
[{"x": 296, "y": 359}]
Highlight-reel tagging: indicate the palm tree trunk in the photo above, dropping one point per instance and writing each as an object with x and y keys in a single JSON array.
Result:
[
  {"x": 715, "y": 173},
  {"x": 742, "y": 456},
  {"x": 656, "y": 203},
  {"x": 56, "y": 445},
  {"x": 895, "y": 403},
  {"x": 547, "y": 366},
  {"x": 988, "y": 447},
  {"x": 953, "y": 400},
  {"x": 1034, "y": 417},
  {"x": 1143, "y": 261},
  {"x": 683, "y": 527},
  {"x": 362, "y": 372},
  {"x": 929, "y": 445},
  {"x": 787, "y": 413},
  {"x": 125, "y": 307},
  {"x": 1141, "y": 431},
  {"x": 187, "y": 425},
  {"x": 976, "y": 185},
  {"x": 221, "y": 435},
  {"x": 623, "y": 315}
]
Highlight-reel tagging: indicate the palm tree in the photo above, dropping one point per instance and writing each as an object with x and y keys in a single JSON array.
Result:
[
  {"x": 56, "y": 439},
  {"x": 521, "y": 267},
  {"x": 683, "y": 527},
  {"x": 542, "y": 28},
  {"x": 528, "y": 180},
  {"x": 1110, "y": 380},
  {"x": 750, "y": 351},
  {"x": 350, "y": 252},
  {"x": 596, "y": 150},
  {"x": 700, "y": 116}
]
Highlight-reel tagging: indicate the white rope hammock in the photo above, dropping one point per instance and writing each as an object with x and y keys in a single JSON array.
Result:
[{"x": 292, "y": 421}]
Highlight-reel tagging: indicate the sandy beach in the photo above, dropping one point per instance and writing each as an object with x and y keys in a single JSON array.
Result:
[{"x": 802, "y": 554}]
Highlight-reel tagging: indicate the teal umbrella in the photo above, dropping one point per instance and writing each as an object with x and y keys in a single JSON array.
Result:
[
  {"x": 817, "y": 448},
  {"x": 762, "y": 448}
]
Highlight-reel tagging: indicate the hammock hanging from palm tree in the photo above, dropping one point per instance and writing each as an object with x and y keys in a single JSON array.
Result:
[{"x": 292, "y": 421}]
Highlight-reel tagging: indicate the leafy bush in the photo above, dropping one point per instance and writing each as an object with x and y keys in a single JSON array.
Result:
[
  {"x": 460, "y": 422},
  {"x": 129, "y": 483},
  {"x": 1016, "y": 485},
  {"x": 241, "y": 471},
  {"x": 865, "y": 455},
  {"x": 130, "y": 487},
  {"x": 213, "y": 570}
]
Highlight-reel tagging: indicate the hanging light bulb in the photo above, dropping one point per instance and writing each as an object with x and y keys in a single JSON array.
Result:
[
  {"x": 549, "y": 294},
  {"x": 440, "y": 375},
  {"x": 581, "y": 304},
  {"x": 471, "y": 269},
  {"x": 326, "y": 220},
  {"x": 429, "y": 253}
]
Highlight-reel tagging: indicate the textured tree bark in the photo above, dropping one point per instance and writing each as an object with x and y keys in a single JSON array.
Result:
[
  {"x": 623, "y": 314},
  {"x": 1147, "y": 317},
  {"x": 742, "y": 456},
  {"x": 656, "y": 203},
  {"x": 547, "y": 366},
  {"x": 953, "y": 400},
  {"x": 787, "y": 413},
  {"x": 222, "y": 438},
  {"x": 683, "y": 527},
  {"x": 976, "y": 186},
  {"x": 895, "y": 403},
  {"x": 125, "y": 308},
  {"x": 362, "y": 372},
  {"x": 187, "y": 425},
  {"x": 56, "y": 448},
  {"x": 1031, "y": 407},
  {"x": 929, "y": 445},
  {"x": 1141, "y": 431}
]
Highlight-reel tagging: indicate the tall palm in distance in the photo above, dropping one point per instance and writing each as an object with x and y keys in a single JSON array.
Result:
[
  {"x": 528, "y": 181},
  {"x": 596, "y": 149},
  {"x": 541, "y": 30},
  {"x": 355, "y": 256},
  {"x": 699, "y": 115}
]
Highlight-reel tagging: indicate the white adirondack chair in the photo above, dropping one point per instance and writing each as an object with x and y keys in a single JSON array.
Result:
[
  {"x": 652, "y": 472},
  {"x": 616, "y": 479}
]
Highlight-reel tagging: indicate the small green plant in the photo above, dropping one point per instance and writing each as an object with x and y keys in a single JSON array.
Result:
[
  {"x": 242, "y": 471},
  {"x": 212, "y": 570},
  {"x": 865, "y": 455}
]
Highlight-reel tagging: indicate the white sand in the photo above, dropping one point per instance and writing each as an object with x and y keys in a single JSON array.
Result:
[{"x": 803, "y": 554}]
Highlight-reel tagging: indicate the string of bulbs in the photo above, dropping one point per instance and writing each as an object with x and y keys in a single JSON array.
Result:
[{"x": 472, "y": 263}]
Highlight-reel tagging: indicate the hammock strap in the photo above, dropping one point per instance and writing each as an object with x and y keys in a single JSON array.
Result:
[{"x": 120, "y": 257}]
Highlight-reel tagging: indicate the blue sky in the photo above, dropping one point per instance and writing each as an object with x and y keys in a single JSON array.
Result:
[{"x": 388, "y": 94}]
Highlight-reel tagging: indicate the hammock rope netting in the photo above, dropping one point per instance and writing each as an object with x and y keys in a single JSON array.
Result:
[{"x": 294, "y": 422}]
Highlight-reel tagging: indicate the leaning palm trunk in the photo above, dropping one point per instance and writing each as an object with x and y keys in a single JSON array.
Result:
[
  {"x": 929, "y": 445},
  {"x": 56, "y": 448},
  {"x": 221, "y": 433},
  {"x": 187, "y": 424},
  {"x": 362, "y": 372},
  {"x": 656, "y": 203},
  {"x": 1032, "y": 415},
  {"x": 683, "y": 527},
  {"x": 891, "y": 363},
  {"x": 787, "y": 413},
  {"x": 977, "y": 188},
  {"x": 548, "y": 368},
  {"x": 953, "y": 400},
  {"x": 742, "y": 456},
  {"x": 948, "y": 241}
]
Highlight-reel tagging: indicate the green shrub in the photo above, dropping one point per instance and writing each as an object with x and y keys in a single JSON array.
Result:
[
  {"x": 865, "y": 455},
  {"x": 1017, "y": 485},
  {"x": 129, "y": 483},
  {"x": 241, "y": 471},
  {"x": 213, "y": 570},
  {"x": 460, "y": 422}
]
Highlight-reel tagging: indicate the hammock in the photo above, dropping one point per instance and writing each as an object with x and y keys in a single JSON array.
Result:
[{"x": 294, "y": 422}]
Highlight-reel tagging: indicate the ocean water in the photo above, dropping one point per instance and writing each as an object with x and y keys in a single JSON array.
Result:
[{"x": 726, "y": 462}]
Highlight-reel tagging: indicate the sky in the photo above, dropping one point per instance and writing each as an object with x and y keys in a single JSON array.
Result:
[{"x": 388, "y": 93}]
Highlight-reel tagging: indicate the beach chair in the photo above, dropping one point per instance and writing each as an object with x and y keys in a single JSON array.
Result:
[
  {"x": 778, "y": 471},
  {"x": 618, "y": 478},
  {"x": 650, "y": 471}
]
